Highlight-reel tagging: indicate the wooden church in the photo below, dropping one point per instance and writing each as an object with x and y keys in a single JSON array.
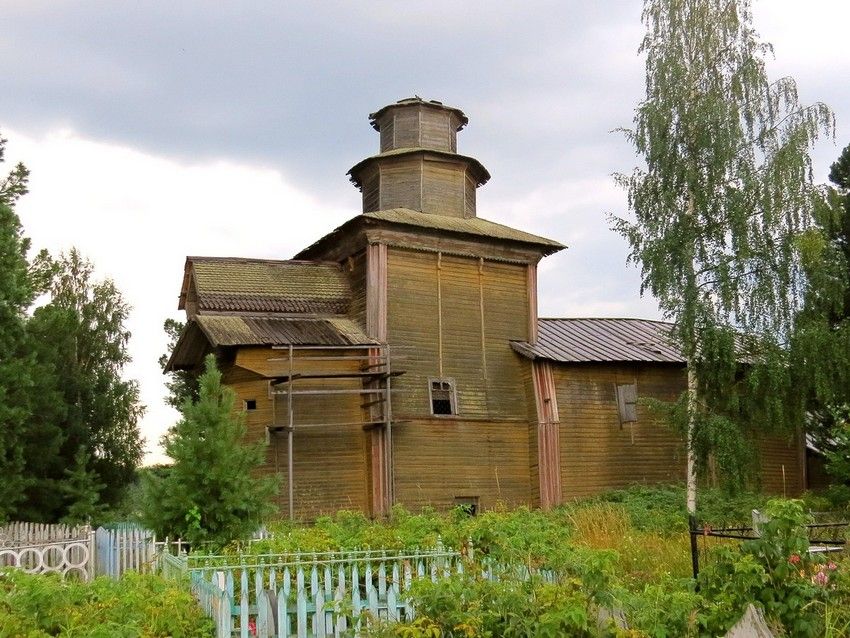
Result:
[{"x": 400, "y": 358}]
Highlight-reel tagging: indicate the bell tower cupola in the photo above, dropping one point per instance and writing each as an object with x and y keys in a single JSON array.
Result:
[{"x": 418, "y": 166}]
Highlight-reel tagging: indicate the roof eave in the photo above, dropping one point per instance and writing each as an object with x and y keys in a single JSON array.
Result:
[{"x": 482, "y": 175}]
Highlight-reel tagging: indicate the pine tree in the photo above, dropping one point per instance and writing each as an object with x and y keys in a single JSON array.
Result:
[
  {"x": 210, "y": 493},
  {"x": 718, "y": 208}
]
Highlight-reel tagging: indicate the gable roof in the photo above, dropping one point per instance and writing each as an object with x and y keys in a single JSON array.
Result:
[
  {"x": 405, "y": 217},
  {"x": 265, "y": 285},
  {"x": 602, "y": 340}
]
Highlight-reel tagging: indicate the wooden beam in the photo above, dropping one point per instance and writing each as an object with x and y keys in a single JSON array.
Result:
[{"x": 548, "y": 435}]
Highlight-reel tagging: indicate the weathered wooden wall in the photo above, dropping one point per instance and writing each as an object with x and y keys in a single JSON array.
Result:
[
  {"x": 437, "y": 460},
  {"x": 453, "y": 317},
  {"x": 435, "y": 306},
  {"x": 330, "y": 463},
  {"x": 598, "y": 454},
  {"x": 356, "y": 268},
  {"x": 782, "y": 465}
]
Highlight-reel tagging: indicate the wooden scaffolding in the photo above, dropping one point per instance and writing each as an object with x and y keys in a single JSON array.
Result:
[{"x": 372, "y": 365}]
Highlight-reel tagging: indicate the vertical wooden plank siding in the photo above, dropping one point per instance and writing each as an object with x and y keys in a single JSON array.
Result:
[
  {"x": 357, "y": 277},
  {"x": 376, "y": 291},
  {"x": 376, "y": 327},
  {"x": 548, "y": 443},
  {"x": 781, "y": 470},
  {"x": 377, "y": 472},
  {"x": 532, "y": 303},
  {"x": 444, "y": 329},
  {"x": 481, "y": 314},
  {"x": 439, "y": 315}
]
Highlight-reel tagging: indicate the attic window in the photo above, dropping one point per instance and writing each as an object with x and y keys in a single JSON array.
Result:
[
  {"x": 250, "y": 404},
  {"x": 627, "y": 402},
  {"x": 443, "y": 396}
]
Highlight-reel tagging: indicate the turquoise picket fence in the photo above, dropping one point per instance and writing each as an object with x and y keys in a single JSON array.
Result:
[{"x": 312, "y": 595}]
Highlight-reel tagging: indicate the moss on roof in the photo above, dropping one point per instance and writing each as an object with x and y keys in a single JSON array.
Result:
[
  {"x": 269, "y": 278},
  {"x": 258, "y": 285},
  {"x": 466, "y": 225}
]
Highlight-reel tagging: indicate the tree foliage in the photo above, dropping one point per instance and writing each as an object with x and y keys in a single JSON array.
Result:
[
  {"x": 69, "y": 440},
  {"x": 821, "y": 343},
  {"x": 820, "y": 346},
  {"x": 182, "y": 385},
  {"x": 719, "y": 206},
  {"x": 20, "y": 283},
  {"x": 87, "y": 410},
  {"x": 210, "y": 493},
  {"x": 16, "y": 294}
]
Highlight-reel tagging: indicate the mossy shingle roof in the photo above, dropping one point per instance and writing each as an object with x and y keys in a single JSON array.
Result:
[{"x": 257, "y": 285}]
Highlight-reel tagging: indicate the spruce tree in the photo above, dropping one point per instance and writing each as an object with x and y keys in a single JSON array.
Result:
[
  {"x": 210, "y": 493},
  {"x": 19, "y": 285},
  {"x": 725, "y": 190},
  {"x": 820, "y": 345}
]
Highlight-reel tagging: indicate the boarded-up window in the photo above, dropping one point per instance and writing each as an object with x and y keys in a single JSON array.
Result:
[
  {"x": 443, "y": 398},
  {"x": 627, "y": 402}
]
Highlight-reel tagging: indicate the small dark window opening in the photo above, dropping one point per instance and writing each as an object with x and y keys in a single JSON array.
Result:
[
  {"x": 467, "y": 504},
  {"x": 250, "y": 404},
  {"x": 443, "y": 397}
]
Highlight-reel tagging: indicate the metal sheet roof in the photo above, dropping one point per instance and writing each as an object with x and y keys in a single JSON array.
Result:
[
  {"x": 602, "y": 340},
  {"x": 226, "y": 330}
]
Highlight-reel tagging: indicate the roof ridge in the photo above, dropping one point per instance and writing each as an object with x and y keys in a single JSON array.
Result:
[
  {"x": 658, "y": 321},
  {"x": 261, "y": 260}
]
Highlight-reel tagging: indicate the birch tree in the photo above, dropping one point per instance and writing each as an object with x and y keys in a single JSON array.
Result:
[{"x": 724, "y": 192}]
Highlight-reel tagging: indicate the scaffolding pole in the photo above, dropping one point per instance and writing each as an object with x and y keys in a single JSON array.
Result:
[
  {"x": 369, "y": 373},
  {"x": 289, "y": 438}
]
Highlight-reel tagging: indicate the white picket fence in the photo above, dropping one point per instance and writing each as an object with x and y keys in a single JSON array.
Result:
[
  {"x": 123, "y": 549},
  {"x": 309, "y": 595}
]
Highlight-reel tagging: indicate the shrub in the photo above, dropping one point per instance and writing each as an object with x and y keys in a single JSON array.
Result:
[{"x": 44, "y": 605}]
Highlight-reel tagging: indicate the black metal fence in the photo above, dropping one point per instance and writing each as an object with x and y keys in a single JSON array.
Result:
[{"x": 824, "y": 537}]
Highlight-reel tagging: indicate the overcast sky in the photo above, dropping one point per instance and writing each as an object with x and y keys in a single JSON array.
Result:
[{"x": 156, "y": 130}]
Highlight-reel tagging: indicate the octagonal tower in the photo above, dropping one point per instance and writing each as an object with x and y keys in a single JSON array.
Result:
[{"x": 418, "y": 166}]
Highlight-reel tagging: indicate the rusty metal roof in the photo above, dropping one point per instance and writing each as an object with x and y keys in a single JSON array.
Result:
[
  {"x": 602, "y": 340},
  {"x": 228, "y": 330},
  {"x": 263, "y": 285}
]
